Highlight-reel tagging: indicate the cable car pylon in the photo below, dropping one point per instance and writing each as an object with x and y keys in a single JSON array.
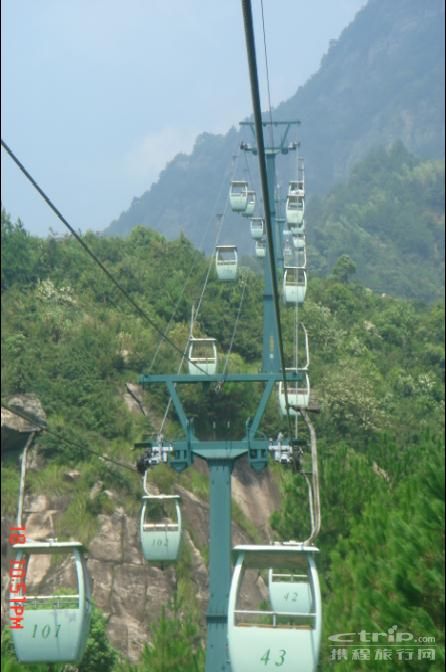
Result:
[{"x": 221, "y": 455}]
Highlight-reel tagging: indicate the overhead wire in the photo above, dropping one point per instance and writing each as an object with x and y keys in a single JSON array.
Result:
[
  {"x": 252, "y": 179},
  {"x": 104, "y": 269},
  {"x": 244, "y": 284},
  {"x": 219, "y": 385},
  {"x": 296, "y": 351},
  {"x": 73, "y": 444},
  {"x": 141, "y": 312},
  {"x": 220, "y": 218},
  {"x": 267, "y": 76},
  {"x": 201, "y": 246},
  {"x": 234, "y": 331},
  {"x": 296, "y": 315},
  {"x": 135, "y": 305},
  {"x": 250, "y": 45},
  {"x": 110, "y": 275},
  {"x": 195, "y": 310},
  {"x": 316, "y": 523},
  {"x": 23, "y": 478}
]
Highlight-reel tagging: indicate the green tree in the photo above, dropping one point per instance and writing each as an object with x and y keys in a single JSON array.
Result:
[
  {"x": 19, "y": 252},
  {"x": 344, "y": 269},
  {"x": 390, "y": 569},
  {"x": 99, "y": 655},
  {"x": 176, "y": 643}
]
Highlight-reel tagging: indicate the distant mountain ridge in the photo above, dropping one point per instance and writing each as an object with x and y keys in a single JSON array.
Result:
[{"x": 382, "y": 81}]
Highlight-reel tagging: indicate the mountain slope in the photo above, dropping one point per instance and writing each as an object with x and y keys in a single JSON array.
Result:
[
  {"x": 389, "y": 218},
  {"x": 377, "y": 364},
  {"x": 380, "y": 82}
]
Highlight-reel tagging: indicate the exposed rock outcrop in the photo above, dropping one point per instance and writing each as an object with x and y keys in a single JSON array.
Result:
[
  {"x": 130, "y": 591},
  {"x": 257, "y": 495},
  {"x": 15, "y": 430}
]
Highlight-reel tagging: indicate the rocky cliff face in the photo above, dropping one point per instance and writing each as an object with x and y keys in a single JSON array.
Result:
[
  {"x": 16, "y": 430},
  {"x": 129, "y": 590}
]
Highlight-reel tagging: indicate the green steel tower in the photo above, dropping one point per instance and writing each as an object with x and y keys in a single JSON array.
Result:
[{"x": 221, "y": 455}]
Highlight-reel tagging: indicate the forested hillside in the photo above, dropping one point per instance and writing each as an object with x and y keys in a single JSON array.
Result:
[
  {"x": 382, "y": 81},
  {"x": 377, "y": 368},
  {"x": 389, "y": 218}
]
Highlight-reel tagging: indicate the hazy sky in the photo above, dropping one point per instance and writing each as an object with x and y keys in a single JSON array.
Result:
[{"x": 97, "y": 95}]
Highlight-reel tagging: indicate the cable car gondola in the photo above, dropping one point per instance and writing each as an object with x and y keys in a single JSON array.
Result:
[
  {"x": 160, "y": 532},
  {"x": 296, "y": 188},
  {"x": 260, "y": 248},
  {"x": 286, "y": 638},
  {"x": 257, "y": 228},
  {"x": 238, "y": 195},
  {"x": 202, "y": 356},
  {"x": 298, "y": 392},
  {"x": 294, "y": 284},
  {"x": 250, "y": 204},
  {"x": 55, "y": 626},
  {"x": 295, "y": 213},
  {"x": 298, "y": 241},
  {"x": 226, "y": 262}
]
